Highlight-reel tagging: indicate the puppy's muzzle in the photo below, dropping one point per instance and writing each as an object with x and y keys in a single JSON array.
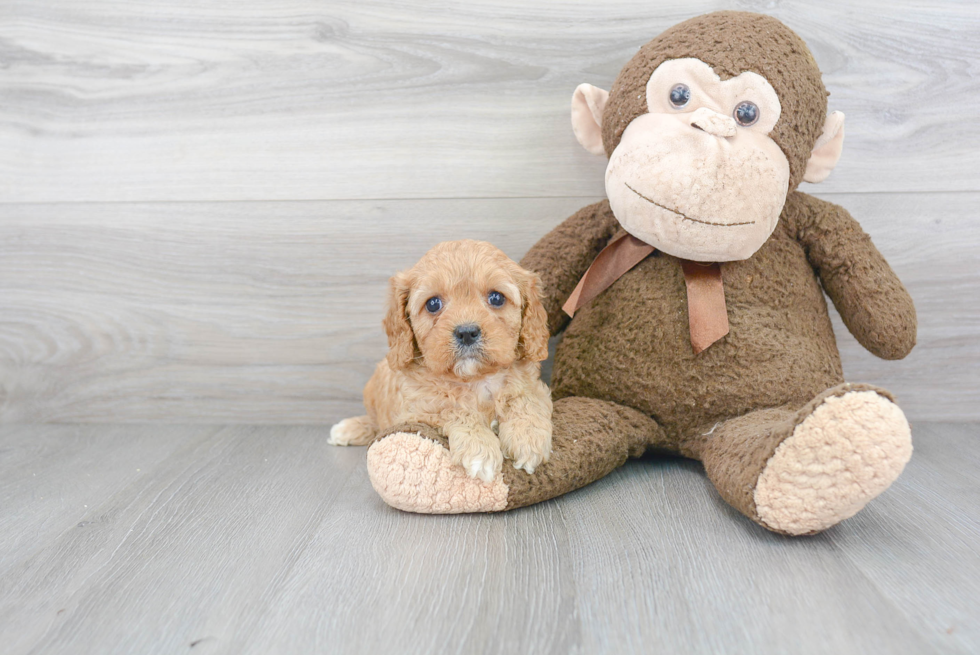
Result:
[{"x": 467, "y": 335}]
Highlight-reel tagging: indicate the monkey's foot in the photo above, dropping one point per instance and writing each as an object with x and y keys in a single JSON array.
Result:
[
  {"x": 849, "y": 450},
  {"x": 416, "y": 474}
]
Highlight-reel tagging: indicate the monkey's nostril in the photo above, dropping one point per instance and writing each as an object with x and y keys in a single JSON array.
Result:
[{"x": 467, "y": 334}]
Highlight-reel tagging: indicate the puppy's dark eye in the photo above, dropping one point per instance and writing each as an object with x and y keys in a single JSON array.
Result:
[
  {"x": 496, "y": 299},
  {"x": 433, "y": 304},
  {"x": 747, "y": 113}
]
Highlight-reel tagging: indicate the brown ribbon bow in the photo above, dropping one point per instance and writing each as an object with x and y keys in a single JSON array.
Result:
[{"x": 706, "y": 310}]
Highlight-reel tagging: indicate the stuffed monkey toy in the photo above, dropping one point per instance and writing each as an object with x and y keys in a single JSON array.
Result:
[{"x": 692, "y": 298}]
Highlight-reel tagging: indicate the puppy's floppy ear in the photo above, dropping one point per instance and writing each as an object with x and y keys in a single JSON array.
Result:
[
  {"x": 401, "y": 339},
  {"x": 533, "y": 341}
]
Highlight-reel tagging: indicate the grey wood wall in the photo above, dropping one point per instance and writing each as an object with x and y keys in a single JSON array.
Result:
[{"x": 200, "y": 205}]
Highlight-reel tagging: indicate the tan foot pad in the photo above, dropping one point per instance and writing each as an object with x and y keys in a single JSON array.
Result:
[
  {"x": 416, "y": 474},
  {"x": 849, "y": 450}
]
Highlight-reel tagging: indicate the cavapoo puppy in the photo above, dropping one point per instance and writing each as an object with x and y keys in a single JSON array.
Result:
[{"x": 466, "y": 332}]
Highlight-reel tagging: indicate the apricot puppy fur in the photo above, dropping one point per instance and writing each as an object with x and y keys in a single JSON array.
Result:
[{"x": 466, "y": 332}]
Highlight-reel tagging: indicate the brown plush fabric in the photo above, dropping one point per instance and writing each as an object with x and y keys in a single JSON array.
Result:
[
  {"x": 734, "y": 403},
  {"x": 732, "y": 42},
  {"x": 871, "y": 300},
  {"x": 570, "y": 250},
  {"x": 594, "y": 438},
  {"x": 421, "y": 429},
  {"x": 736, "y": 452},
  {"x": 631, "y": 345}
]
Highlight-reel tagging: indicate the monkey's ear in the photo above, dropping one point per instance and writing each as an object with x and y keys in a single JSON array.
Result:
[
  {"x": 588, "y": 102},
  {"x": 827, "y": 149},
  {"x": 401, "y": 339}
]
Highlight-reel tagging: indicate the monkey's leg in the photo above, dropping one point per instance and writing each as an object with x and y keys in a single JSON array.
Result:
[
  {"x": 412, "y": 470},
  {"x": 802, "y": 471}
]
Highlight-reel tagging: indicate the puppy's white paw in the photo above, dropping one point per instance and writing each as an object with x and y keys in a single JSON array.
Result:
[
  {"x": 528, "y": 449},
  {"x": 530, "y": 462},
  {"x": 356, "y": 431},
  {"x": 479, "y": 460},
  {"x": 531, "y": 459},
  {"x": 485, "y": 468}
]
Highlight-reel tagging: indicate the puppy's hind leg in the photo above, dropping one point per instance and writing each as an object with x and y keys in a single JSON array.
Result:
[{"x": 356, "y": 431}]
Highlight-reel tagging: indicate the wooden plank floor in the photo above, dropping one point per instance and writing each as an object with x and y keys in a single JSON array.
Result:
[{"x": 163, "y": 539}]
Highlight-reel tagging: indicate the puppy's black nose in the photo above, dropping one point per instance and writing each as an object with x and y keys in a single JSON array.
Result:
[{"x": 467, "y": 334}]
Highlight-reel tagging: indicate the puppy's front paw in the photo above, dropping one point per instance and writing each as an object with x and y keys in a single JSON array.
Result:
[
  {"x": 357, "y": 431},
  {"x": 480, "y": 459},
  {"x": 528, "y": 448},
  {"x": 530, "y": 462}
]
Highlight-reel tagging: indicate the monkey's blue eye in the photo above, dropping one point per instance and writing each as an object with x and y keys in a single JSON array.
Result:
[
  {"x": 680, "y": 95},
  {"x": 747, "y": 113},
  {"x": 496, "y": 299},
  {"x": 433, "y": 304}
]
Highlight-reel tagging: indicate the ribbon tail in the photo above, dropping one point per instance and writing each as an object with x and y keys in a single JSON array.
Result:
[
  {"x": 572, "y": 303},
  {"x": 706, "y": 308}
]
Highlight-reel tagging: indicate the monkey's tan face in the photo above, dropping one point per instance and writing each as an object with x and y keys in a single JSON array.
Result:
[{"x": 698, "y": 177}]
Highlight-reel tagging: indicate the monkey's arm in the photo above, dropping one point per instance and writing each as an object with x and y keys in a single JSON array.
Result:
[
  {"x": 871, "y": 300},
  {"x": 562, "y": 256}
]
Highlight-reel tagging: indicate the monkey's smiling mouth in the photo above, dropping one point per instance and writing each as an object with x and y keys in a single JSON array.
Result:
[{"x": 684, "y": 216}]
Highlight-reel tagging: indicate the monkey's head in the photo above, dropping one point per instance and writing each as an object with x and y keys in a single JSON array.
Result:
[{"x": 707, "y": 129}]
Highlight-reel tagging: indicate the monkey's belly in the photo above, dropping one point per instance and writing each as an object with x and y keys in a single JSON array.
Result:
[{"x": 632, "y": 344}]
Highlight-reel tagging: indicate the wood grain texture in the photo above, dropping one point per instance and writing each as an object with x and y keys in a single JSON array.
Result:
[
  {"x": 227, "y": 312},
  {"x": 266, "y": 540},
  {"x": 898, "y": 546},
  {"x": 270, "y": 312},
  {"x": 106, "y": 100},
  {"x": 173, "y": 557},
  {"x": 52, "y": 475}
]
